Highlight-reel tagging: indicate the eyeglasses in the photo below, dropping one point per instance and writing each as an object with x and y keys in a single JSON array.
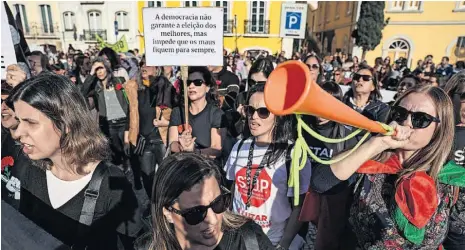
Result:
[
  {"x": 253, "y": 82},
  {"x": 365, "y": 78},
  {"x": 313, "y": 66},
  {"x": 419, "y": 119},
  {"x": 262, "y": 112},
  {"x": 196, "y": 82},
  {"x": 195, "y": 215}
]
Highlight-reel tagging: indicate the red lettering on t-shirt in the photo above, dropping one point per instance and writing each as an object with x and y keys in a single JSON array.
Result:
[{"x": 262, "y": 190}]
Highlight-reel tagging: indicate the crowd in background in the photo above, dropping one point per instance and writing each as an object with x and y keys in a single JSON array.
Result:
[{"x": 233, "y": 155}]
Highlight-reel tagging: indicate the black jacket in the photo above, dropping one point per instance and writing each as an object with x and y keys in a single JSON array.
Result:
[
  {"x": 375, "y": 110},
  {"x": 93, "y": 88},
  {"x": 225, "y": 78}
]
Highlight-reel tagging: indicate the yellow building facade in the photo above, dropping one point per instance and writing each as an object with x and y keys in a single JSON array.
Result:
[
  {"x": 415, "y": 29},
  {"x": 239, "y": 31}
]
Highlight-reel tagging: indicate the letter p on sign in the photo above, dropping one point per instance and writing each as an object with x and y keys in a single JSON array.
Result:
[{"x": 293, "y": 20}]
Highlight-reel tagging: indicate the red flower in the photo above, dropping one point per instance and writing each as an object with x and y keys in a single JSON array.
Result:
[
  {"x": 118, "y": 86},
  {"x": 7, "y": 161},
  {"x": 218, "y": 82},
  {"x": 162, "y": 107}
]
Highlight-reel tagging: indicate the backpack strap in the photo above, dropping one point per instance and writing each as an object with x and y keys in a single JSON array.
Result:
[
  {"x": 91, "y": 195},
  {"x": 241, "y": 142},
  {"x": 288, "y": 162},
  {"x": 250, "y": 239}
]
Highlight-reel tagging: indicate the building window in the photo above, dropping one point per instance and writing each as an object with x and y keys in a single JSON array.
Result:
[
  {"x": 21, "y": 9},
  {"x": 399, "y": 48},
  {"x": 336, "y": 16},
  {"x": 95, "y": 19},
  {"x": 405, "y": 6},
  {"x": 122, "y": 19},
  {"x": 155, "y": 3},
  {"x": 460, "y": 6},
  {"x": 47, "y": 21},
  {"x": 258, "y": 17},
  {"x": 190, "y": 3},
  {"x": 69, "y": 20},
  {"x": 227, "y": 24},
  {"x": 327, "y": 7},
  {"x": 348, "y": 8}
]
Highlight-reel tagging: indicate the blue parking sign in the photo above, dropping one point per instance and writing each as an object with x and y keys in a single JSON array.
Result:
[{"x": 293, "y": 20}]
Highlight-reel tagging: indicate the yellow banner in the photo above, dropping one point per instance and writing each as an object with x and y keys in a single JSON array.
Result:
[{"x": 119, "y": 47}]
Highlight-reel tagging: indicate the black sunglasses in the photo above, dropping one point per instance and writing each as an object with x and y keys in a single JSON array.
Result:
[
  {"x": 263, "y": 112},
  {"x": 197, "y": 82},
  {"x": 253, "y": 82},
  {"x": 419, "y": 119},
  {"x": 195, "y": 215},
  {"x": 313, "y": 66},
  {"x": 365, "y": 78}
]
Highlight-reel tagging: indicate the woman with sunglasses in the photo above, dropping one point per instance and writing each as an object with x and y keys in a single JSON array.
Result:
[
  {"x": 259, "y": 168},
  {"x": 189, "y": 210},
  {"x": 316, "y": 70},
  {"x": 455, "y": 88},
  {"x": 258, "y": 74},
  {"x": 365, "y": 97},
  {"x": 402, "y": 187},
  {"x": 206, "y": 120}
]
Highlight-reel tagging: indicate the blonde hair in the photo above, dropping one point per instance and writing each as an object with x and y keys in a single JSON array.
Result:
[{"x": 432, "y": 157}]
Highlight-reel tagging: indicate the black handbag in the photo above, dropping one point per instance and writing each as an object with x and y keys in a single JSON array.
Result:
[{"x": 140, "y": 145}]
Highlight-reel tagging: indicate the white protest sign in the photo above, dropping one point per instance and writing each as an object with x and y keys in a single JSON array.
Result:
[
  {"x": 293, "y": 20},
  {"x": 8, "y": 56},
  {"x": 183, "y": 36}
]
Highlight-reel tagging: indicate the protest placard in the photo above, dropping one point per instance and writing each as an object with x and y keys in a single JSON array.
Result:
[
  {"x": 183, "y": 36},
  {"x": 8, "y": 49},
  {"x": 119, "y": 47}
]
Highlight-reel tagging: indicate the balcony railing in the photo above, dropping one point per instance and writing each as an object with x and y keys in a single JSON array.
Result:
[
  {"x": 36, "y": 30},
  {"x": 257, "y": 27},
  {"x": 91, "y": 35},
  {"x": 228, "y": 26}
]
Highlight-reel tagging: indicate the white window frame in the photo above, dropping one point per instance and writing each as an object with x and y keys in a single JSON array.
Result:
[
  {"x": 191, "y": 3},
  {"x": 459, "y": 7},
  {"x": 123, "y": 20},
  {"x": 22, "y": 9},
  {"x": 162, "y": 4},
  {"x": 228, "y": 11},
  {"x": 97, "y": 21},
  {"x": 48, "y": 9},
  {"x": 69, "y": 16},
  {"x": 265, "y": 15},
  {"x": 404, "y": 6}
]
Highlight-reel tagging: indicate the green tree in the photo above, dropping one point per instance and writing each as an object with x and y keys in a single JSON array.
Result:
[{"x": 370, "y": 25}]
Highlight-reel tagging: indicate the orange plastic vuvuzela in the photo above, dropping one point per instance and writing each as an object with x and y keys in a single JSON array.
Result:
[{"x": 290, "y": 90}]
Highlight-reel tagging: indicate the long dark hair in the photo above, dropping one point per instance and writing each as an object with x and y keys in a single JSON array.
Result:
[
  {"x": 320, "y": 78},
  {"x": 281, "y": 133},
  {"x": 455, "y": 87},
  {"x": 263, "y": 65},
  {"x": 58, "y": 99},
  {"x": 375, "y": 95},
  {"x": 178, "y": 173},
  {"x": 338, "y": 130},
  {"x": 112, "y": 57}
]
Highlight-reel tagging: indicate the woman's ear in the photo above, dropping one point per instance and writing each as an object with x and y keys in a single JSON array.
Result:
[{"x": 168, "y": 215}]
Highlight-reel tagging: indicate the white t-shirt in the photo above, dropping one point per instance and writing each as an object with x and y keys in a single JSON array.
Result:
[
  {"x": 60, "y": 191},
  {"x": 269, "y": 206}
]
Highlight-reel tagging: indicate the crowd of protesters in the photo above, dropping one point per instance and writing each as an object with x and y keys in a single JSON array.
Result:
[{"x": 96, "y": 151}]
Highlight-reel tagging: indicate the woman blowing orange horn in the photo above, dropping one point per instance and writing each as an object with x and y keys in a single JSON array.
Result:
[{"x": 402, "y": 186}]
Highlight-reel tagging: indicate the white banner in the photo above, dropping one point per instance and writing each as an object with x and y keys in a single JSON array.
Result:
[
  {"x": 183, "y": 36},
  {"x": 8, "y": 56}
]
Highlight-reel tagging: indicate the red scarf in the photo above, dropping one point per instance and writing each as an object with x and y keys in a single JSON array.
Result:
[{"x": 416, "y": 194}]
